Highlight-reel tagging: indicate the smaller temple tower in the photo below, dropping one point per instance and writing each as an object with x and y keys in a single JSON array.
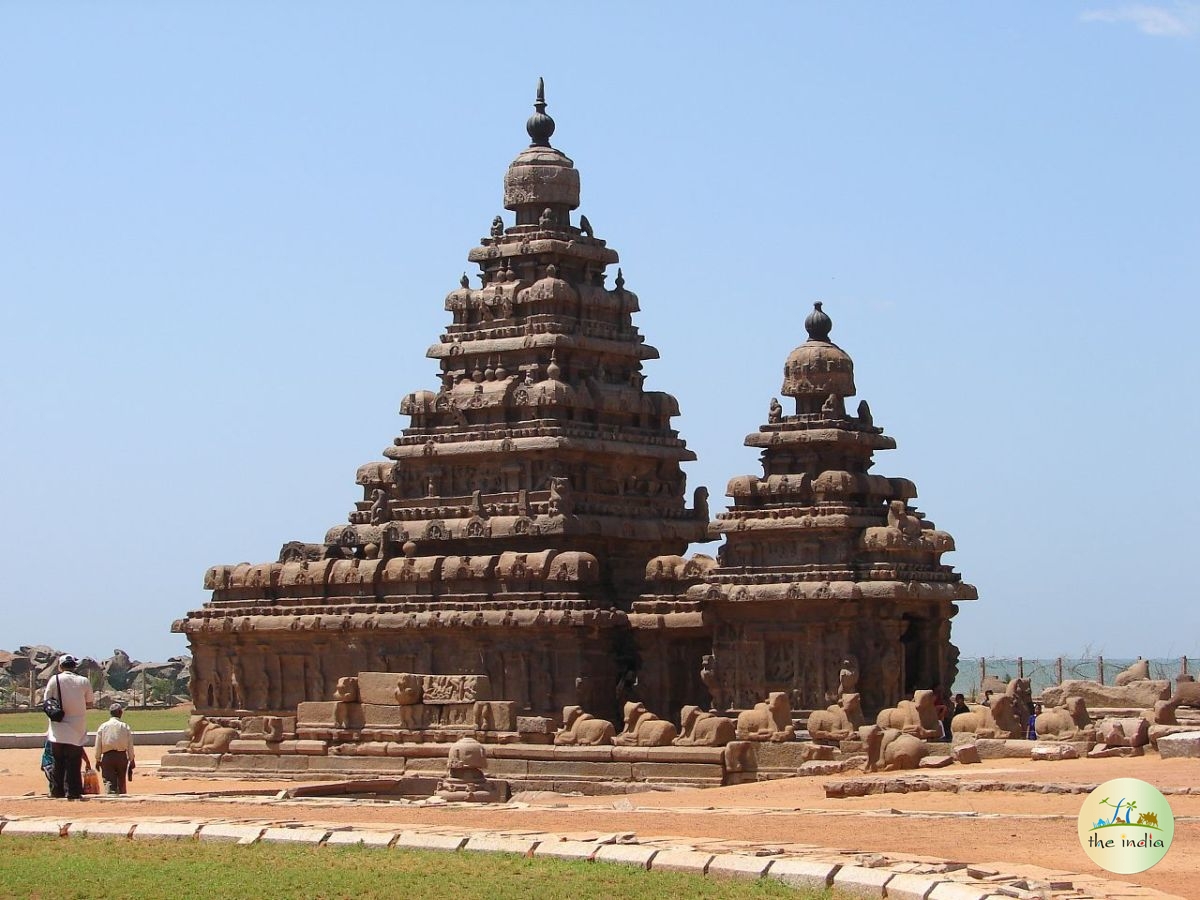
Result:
[{"x": 829, "y": 580}]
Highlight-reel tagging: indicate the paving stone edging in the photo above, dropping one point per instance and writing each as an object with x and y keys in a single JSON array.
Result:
[{"x": 855, "y": 874}]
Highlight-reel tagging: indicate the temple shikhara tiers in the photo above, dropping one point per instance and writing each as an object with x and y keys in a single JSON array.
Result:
[{"x": 522, "y": 544}]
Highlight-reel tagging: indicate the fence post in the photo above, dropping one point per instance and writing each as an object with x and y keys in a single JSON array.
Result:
[
  {"x": 1183, "y": 666},
  {"x": 1100, "y": 668},
  {"x": 1058, "y": 669},
  {"x": 982, "y": 673},
  {"x": 1020, "y": 667},
  {"x": 143, "y": 688}
]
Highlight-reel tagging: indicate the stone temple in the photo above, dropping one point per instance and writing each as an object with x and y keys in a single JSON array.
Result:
[{"x": 530, "y": 524}]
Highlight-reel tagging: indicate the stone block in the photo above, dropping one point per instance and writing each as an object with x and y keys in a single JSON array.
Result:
[
  {"x": 196, "y": 762},
  {"x": 388, "y": 764},
  {"x": 535, "y": 725},
  {"x": 357, "y": 838},
  {"x": 317, "y": 713},
  {"x": 858, "y": 881},
  {"x": 1188, "y": 693},
  {"x": 294, "y": 835},
  {"x": 610, "y": 770},
  {"x": 310, "y": 748},
  {"x": 627, "y": 854},
  {"x": 957, "y": 890},
  {"x": 382, "y": 715},
  {"x": 496, "y": 715},
  {"x": 694, "y": 862},
  {"x": 821, "y": 767},
  {"x": 907, "y": 886},
  {"x": 378, "y": 688},
  {"x": 1053, "y": 751},
  {"x": 23, "y": 827},
  {"x": 250, "y": 745},
  {"x": 103, "y": 829},
  {"x": 1103, "y": 751},
  {"x": 804, "y": 873},
  {"x": 419, "y": 840},
  {"x": 937, "y": 761},
  {"x": 738, "y": 865},
  {"x": 786, "y": 755},
  {"x": 966, "y": 754},
  {"x": 578, "y": 850},
  {"x": 451, "y": 715},
  {"x": 439, "y": 689},
  {"x": 589, "y": 754},
  {"x": 1136, "y": 695},
  {"x": 1180, "y": 746},
  {"x": 165, "y": 831},
  {"x": 231, "y": 834},
  {"x": 493, "y": 843},
  {"x": 667, "y": 771}
]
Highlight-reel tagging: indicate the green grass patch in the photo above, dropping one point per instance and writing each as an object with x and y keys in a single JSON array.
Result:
[
  {"x": 97, "y": 868},
  {"x": 34, "y": 722}
]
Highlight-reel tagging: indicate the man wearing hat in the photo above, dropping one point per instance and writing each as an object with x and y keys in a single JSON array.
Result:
[
  {"x": 114, "y": 751},
  {"x": 67, "y": 737}
]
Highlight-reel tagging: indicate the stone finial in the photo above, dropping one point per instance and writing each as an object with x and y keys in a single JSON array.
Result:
[
  {"x": 818, "y": 324},
  {"x": 540, "y": 126}
]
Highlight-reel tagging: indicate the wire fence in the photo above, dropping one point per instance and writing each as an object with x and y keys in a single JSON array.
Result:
[{"x": 1044, "y": 673}]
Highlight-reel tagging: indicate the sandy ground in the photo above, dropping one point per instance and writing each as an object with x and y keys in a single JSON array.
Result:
[{"x": 1015, "y": 828}]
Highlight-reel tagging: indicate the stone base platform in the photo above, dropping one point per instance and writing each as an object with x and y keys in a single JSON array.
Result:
[{"x": 538, "y": 767}]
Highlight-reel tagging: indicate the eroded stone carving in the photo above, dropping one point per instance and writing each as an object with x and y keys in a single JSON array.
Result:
[
  {"x": 465, "y": 779},
  {"x": 704, "y": 729},
  {"x": 644, "y": 729},
  {"x": 995, "y": 721},
  {"x": 583, "y": 729},
  {"x": 840, "y": 722},
  {"x": 208, "y": 737},
  {"x": 770, "y": 720},
  {"x": 1137, "y": 671},
  {"x": 1069, "y": 722},
  {"x": 916, "y": 717}
]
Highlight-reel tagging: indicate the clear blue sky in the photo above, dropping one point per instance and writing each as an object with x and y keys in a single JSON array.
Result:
[{"x": 226, "y": 233}]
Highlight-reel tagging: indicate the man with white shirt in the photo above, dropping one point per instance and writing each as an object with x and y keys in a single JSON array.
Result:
[
  {"x": 114, "y": 751},
  {"x": 67, "y": 737}
]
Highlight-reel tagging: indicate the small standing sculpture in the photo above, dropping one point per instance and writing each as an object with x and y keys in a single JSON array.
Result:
[
  {"x": 711, "y": 681},
  {"x": 775, "y": 412},
  {"x": 586, "y": 227},
  {"x": 497, "y": 227},
  {"x": 547, "y": 218}
]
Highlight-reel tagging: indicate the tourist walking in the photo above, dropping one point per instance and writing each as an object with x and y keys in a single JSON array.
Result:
[
  {"x": 67, "y": 737},
  {"x": 114, "y": 751}
]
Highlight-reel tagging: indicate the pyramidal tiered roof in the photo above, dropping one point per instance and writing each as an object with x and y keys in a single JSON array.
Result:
[
  {"x": 817, "y": 517},
  {"x": 531, "y": 487},
  {"x": 820, "y": 548}
]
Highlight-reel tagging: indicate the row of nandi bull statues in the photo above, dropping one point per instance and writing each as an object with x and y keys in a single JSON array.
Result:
[{"x": 770, "y": 720}]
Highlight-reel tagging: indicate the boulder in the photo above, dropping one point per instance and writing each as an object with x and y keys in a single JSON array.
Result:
[
  {"x": 1180, "y": 746},
  {"x": 966, "y": 753},
  {"x": 1138, "y": 695}
]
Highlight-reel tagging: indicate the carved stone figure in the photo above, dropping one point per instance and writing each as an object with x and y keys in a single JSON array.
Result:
[
  {"x": 583, "y": 729},
  {"x": 1164, "y": 712},
  {"x": 1137, "y": 671},
  {"x": 465, "y": 780},
  {"x": 704, "y": 729},
  {"x": 768, "y": 721},
  {"x": 346, "y": 690},
  {"x": 775, "y": 412},
  {"x": 586, "y": 227},
  {"x": 710, "y": 678},
  {"x": 839, "y": 722},
  {"x": 891, "y": 750},
  {"x": 917, "y": 717},
  {"x": 848, "y": 676},
  {"x": 1069, "y": 722},
  {"x": 644, "y": 729},
  {"x": 995, "y": 721},
  {"x": 497, "y": 229},
  {"x": 1021, "y": 692},
  {"x": 208, "y": 737}
]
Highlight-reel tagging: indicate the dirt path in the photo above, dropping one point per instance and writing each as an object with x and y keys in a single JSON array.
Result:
[{"x": 975, "y": 827}]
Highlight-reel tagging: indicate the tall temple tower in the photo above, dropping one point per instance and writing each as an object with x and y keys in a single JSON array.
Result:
[
  {"x": 508, "y": 531},
  {"x": 826, "y": 568}
]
